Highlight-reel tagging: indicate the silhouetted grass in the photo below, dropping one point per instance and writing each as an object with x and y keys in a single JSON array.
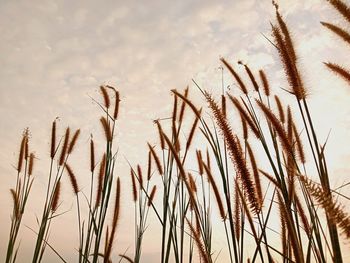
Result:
[{"x": 228, "y": 185}]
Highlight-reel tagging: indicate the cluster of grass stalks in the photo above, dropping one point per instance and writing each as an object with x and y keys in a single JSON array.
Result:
[
  {"x": 227, "y": 184},
  {"x": 92, "y": 231},
  {"x": 20, "y": 194}
]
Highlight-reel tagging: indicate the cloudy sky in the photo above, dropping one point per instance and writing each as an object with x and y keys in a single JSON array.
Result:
[{"x": 55, "y": 54}]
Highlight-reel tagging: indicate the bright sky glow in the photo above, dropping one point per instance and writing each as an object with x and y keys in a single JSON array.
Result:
[{"x": 55, "y": 54}]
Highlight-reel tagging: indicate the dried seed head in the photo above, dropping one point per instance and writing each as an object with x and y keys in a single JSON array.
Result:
[
  {"x": 160, "y": 132},
  {"x": 290, "y": 126},
  {"x": 106, "y": 129},
  {"x": 244, "y": 127},
  {"x": 235, "y": 152},
  {"x": 299, "y": 145},
  {"x": 200, "y": 161},
  {"x": 258, "y": 190},
  {"x": 64, "y": 147},
  {"x": 286, "y": 52},
  {"x": 342, "y": 8},
  {"x": 156, "y": 159},
  {"x": 174, "y": 109},
  {"x": 151, "y": 196},
  {"x": 117, "y": 101},
  {"x": 182, "y": 173},
  {"x": 236, "y": 76},
  {"x": 101, "y": 176},
  {"x": 280, "y": 109},
  {"x": 116, "y": 108},
  {"x": 114, "y": 223},
  {"x": 73, "y": 141},
  {"x": 72, "y": 178},
  {"x": 338, "y": 31},
  {"x": 216, "y": 192},
  {"x": 237, "y": 212},
  {"x": 175, "y": 136},
  {"x": 283, "y": 231},
  {"x": 31, "y": 164},
  {"x": 15, "y": 199},
  {"x": 139, "y": 174},
  {"x": 22, "y": 152},
  {"x": 270, "y": 177},
  {"x": 252, "y": 78},
  {"x": 205, "y": 258},
  {"x": 246, "y": 209},
  {"x": 287, "y": 38},
  {"x": 56, "y": 197},
  {"x": 276, "y": 124},
  {"x": 53, "y": 140},
  {"x": 192, "y": 183},
  {"x": 92, "y": 155},
  {"x": 302, "y": 215},
  {"x": 105, "y": 95},
  {"x": 333, "y": 209},
  {"x": 265, "y": 82},
  {"x": 193, "y": 129},
  {"x": 116, "y": 203},
  {"x": 26, "y": 147},
  {"x": 183, "y": 106},
  {"x": 245, "y": 115},
  {"x": 223, "y": 105},
  {"x": 188, "y": 102},
  {"x": 133, "y": 184},
  {"x": 149, "y": 166},
  {"x": 340, "y": 71}
]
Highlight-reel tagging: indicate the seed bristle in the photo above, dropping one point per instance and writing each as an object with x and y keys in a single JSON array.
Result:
[
  {"x": 31, "y": 164},
  {"x": 56, "y": 197},
  {"x": 235, "y": 75},
  {"x": 92, "y": 155},
  {"x": 156, "y": 159},
  {"x": 106, "y": 128},
  {"x": 64, "y": 147},
  {"x": 101, "y": 176},
  {"x": 265, "y": 82},
  {"x": 339, "y": 70},
  {"x": 342, "y": 8},
  {"x": 151, "y": 196},
  {"x": 105, "y": 95},
  {"x": 133, "y": 185},
  {"x": 73, "y": 179},
  {"x": 73, "y": 141},
  {"x": 53, "y": 140}
]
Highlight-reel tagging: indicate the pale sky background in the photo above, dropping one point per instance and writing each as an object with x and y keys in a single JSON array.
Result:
[{"x": 55, "y": 54}]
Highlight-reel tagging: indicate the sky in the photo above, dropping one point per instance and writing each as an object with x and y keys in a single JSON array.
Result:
[{"x": 56, "y": 54}]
